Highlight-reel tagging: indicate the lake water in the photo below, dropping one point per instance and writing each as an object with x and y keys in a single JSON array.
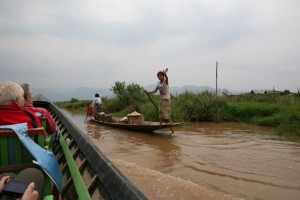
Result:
[{"x": 203, "y": 160}]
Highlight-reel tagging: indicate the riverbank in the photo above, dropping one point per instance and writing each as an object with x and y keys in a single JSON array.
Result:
[{"x": 278, "y": 110}]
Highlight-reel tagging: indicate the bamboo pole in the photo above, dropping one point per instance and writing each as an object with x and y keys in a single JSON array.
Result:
[{"x": 216, "y": 78}]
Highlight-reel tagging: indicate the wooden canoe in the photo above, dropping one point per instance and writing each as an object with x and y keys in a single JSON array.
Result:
[
  {"x": 87, "y": 172},
  {"x": 146, "y": 126}
]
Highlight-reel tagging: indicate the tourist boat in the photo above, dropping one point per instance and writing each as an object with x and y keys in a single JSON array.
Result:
[{"x": 86, "y": 172}]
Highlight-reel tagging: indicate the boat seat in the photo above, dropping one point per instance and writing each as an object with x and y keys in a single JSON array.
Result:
[
  {"x": 44, "y": 125},
  {"x": 13, "y": 155},
  {"x": 49, "y": 137}
]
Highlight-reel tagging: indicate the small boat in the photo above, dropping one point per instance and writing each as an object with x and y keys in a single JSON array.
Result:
[
  {"x": 86, "y": 172},
  {"x": 147, "y": 126},
  {"x": 137, "y": 124}
]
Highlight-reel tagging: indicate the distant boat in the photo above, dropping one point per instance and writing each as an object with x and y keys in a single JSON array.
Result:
[
  {"x": 147, "y": 126},
  {"x": 133, "y": 125}
]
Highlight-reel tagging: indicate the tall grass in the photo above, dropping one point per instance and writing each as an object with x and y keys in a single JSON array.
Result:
[
  {"x": 290, "y": 122},
  {"x": 254, "y": 112},
  {"x": 276, "y": 110},
  {"x": 200, "y": 107}
]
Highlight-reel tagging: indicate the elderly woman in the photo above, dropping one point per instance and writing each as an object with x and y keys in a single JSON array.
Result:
[{"x": 12, "y": 104}]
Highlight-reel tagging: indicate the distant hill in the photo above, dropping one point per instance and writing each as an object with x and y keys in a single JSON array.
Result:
[{"x": 65, "y": 94}]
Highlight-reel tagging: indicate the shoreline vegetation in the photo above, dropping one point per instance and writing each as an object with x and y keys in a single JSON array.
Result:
[{"x": 280, "y": 110}]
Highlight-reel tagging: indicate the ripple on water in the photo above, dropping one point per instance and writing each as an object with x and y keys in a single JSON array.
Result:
[{"x": 156, "y": 185}]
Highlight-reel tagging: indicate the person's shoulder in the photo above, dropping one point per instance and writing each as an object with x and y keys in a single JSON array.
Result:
[
  {"x": 39, "y": 109},
  {"x": 28, "y": 108},
  {"x": 11, "y": 107}
]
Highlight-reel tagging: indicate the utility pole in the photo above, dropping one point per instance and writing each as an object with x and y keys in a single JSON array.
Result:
[{"x": 217, "y": 78}]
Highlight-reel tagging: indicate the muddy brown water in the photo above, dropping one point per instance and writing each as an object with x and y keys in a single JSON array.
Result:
[{"x": 203, "y": 160}]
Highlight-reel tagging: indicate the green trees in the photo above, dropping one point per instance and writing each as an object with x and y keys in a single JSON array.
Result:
[{"x": 131, "y": 95}]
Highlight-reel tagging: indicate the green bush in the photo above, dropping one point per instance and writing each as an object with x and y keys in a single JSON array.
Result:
[
  {"x": 131, "y": 95},
  {"x": 112, "y": 105},
  {"x": 74, "y": 100},
  {"x": 200, "y": 107}
]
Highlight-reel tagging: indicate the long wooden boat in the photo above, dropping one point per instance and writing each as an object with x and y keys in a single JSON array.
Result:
[
  {"x": 86, "y": 172},
  {"x": 146, "y": 126}
]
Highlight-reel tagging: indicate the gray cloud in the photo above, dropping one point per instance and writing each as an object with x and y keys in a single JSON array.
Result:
[{"x": 87, "y": 43}]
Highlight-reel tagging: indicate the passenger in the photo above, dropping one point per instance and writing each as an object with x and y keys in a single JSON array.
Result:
[
  {"x": 12, "y": 104},
  {"x": 32, "y": 176},
  {"x": 164, "y": 110},
  {"x": 40, "y": 112},
  {"x": 89, "y": 111},
  {"x": 96, "y": 104}
]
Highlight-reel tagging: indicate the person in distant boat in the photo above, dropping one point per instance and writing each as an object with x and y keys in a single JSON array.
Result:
[
  {"x": 96, "y": 104},
  {"x": 40, "y": 112},
  {"x": 164, "y": 110},
  {"x": 12, "y": 104},
  {"x": 89, "y": 111},
  {"x": 31, "y": 176}
]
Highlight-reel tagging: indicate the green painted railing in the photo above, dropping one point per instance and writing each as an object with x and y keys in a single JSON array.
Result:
[{"x": 80, "y": 186}]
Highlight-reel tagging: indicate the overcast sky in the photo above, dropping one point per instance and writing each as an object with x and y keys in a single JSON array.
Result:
[{"x": 94, "y": 43}]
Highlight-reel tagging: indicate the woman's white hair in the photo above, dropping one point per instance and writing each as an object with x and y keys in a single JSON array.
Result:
[{"x": 10, "y": 93}]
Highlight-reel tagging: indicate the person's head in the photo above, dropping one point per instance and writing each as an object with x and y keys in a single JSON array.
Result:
[
  {"x": 160, "y": 75},
  {"x": 11, "y": 93},
  {"x": 97, "y": 95},
  {"x": 27, "y": 92}
]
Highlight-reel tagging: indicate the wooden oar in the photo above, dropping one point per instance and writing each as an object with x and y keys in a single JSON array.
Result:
[
  {"x": 152, "y": 102},
  {"x": 156, "y": 108},
  {"x": 86, "y": 118}
]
